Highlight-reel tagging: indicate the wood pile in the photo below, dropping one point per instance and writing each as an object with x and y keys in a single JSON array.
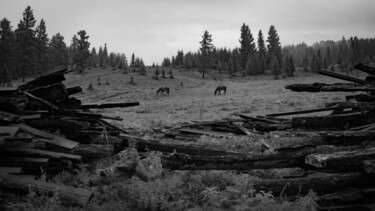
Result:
[
  {"x": 44, "y": 130},
  {"x": 334, "y": 153}
]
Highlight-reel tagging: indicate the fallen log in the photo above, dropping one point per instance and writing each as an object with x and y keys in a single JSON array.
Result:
[
  {"x": 365, "y": 68},
  {"x": 51, "y": 93},
  {"x": 69, "y": 195},
  {"x": 333, "y": 122},
  {"x": 287, "y": 140},
  {"x": 286, "y": 159},
  {"x": 321, "y": 183},
  {"x": 206, "y": 132},
  {"x": 361, "y": 98},
  {"x": 29, "y": 165},
  {"x": 73, "y": 90},
  {"x": 88, "y": 151},
  {"x": 320, "y": 87},
  {"x": 342, "y": 77},
  {"x": 108, "y": 105},
  {"x": 153, "y": 145},
  {"x": 352, "y": 159}
]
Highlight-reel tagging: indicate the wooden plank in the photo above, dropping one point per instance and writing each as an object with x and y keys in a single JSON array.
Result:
[
  {"x": 23, "y": 139},
  {"x": 9, "y": 131},
  {"x": 74, "y": 90},
  {"x": 10, "y": 170},
  {"x": 342, "y": 77},
  {"x": 70, "y": 195},
  {"x": 61, "y": 142},
  {"x": 307, "y": 111},
  {"x": 205, "y": 132},
  {"x": 108, "y": 105},
  {"x": 44, "y": 153},
  {"x": 257, "y": 119},
  {"x": 33, "y": 131},
  {"x": 320, "y": 87},
  {"x": 45, "y": 80},
  {"x": 31, "y": 116}
]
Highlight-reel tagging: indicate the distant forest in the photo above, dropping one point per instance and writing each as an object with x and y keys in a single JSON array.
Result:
[{"x": 28, "y": 51}]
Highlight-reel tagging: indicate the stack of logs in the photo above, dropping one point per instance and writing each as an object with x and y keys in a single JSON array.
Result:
[
  {"x": 334, "y": 154},
  {"x": 43, "y": 130}
]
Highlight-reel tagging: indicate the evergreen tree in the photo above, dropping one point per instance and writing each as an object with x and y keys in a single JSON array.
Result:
[
  {"x": 275, "y": 68},
  {"x": 206, "y": 50},
  {"x": 180, "y": 58},
  {"x": 26, "y": 48},
  {"x": 319, "y": 61},
  {"x": 132, "y": 62},
  {"x": 100, "y": 56},
  {"x": 42, "y": 47},
  {"x": 57, "y": 51},
  {"x": 305, "y": 63},
  {"x": 286, "y": 66},
  {"x": 7, "y": 48},
  {"x": 292, "y": 67},
  {"x": 328, "y": 56},
  {"x": 273, "y": 46},
  {"x": 247, "y": 46},
  {"x": 142, "y": 68},
  {"x": 262, "y": 53},
  {"x": 105, "y": 56},
  {"x": 81, "y": 54},
  {"x": 92, "y": 59}
]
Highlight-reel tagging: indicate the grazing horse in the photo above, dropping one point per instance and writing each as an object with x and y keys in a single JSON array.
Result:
[
  {"x": 163, "y": 91},
  {"x": 221, "y": 88}
]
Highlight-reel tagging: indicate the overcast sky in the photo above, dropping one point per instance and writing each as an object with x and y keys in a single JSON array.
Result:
[{"x": 154, "y": 29}]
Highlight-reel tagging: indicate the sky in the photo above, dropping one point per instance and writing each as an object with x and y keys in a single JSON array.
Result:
[{"x": 154, "y": 29}]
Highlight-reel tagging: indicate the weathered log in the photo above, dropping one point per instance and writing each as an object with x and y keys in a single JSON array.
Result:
[
  {"x": 43, "y": 153},
  {"x": 51, "y": 93},
  {"x": 69, "y": 195},
  {"x": 342, "y": 77},
  {"x": 8, "y": 131},
  {"x": 10, "y": 170},
  {"x": 258, "y": 119},
  {"x": 286, "y": 159},
  {"x": 322, "y": 183},
  {"x": 365, "y": 68},
  {"x": 287, "y": 140},
  {"x": 54, "y": 124},
  {"x": 108, "y": 105},
  {"x": 206, "y": 132},
  {"x": 45, "y": 80},
  {"x": 29, "y": 165},
  {"x": 307, "y": 111},
  {"x": 320, "y": 87},
  {"x": 94, "y": 150},
  {"x": 153, "y": 145},
  {"x": 352, "y": 159},
  {"x": 74, "y": 90},
  {"x": 71, "y": 103},
  {"x": 361, "y": 98},
  {"x": 333, "y": 122}
]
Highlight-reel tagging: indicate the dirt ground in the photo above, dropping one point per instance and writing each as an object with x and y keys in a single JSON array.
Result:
[{"x": 192, "y": 98}]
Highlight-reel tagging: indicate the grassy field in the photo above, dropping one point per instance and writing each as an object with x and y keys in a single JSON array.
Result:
[{"x": 192, "y": 98}]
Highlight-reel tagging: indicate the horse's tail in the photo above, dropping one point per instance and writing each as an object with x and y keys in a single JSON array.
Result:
[
  {"x": 167, "y": 90},
  {"x": 216, "y": 90},
  {"x": 225, "y": 89},
  {"x": 157, "y": 92}
]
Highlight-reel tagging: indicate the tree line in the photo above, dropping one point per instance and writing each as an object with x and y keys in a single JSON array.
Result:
[
  {"x": 28, "y": 51},
  {"x": 268, "y": 56}
]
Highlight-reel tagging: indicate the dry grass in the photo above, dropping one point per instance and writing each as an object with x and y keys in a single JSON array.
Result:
[{"x": 192, "y": 98}]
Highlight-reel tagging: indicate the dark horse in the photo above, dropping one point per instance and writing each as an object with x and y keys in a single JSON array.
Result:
[
  {"x": 219, "y": 89},
  {"x": 163, "y": 91}
]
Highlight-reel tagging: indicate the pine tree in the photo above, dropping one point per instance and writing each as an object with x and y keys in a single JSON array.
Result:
[
  {"x": 7, "y": 48},
  {"x": 81, "y": 53},
  {"x": 92, "y": 58},
  {"x": 132, "y": 62},
  {"x": 57, "y": 51},
  {"x": 25, "y": 38},
  {"x": 247, "y": 48},
  {"x": 273, "y": 46},
  {"x": 100, "y": 56},
  {"x": 105, "y": 56},
  {"x": 286, "y": 66},
  {"x": 292, "y": 66},
  {"x": 262, "y": 53},
  {"x": 42, "y": 47},
  {"x": 206, "y": 50},
  {"x": 319, "y": 61},
  {"x": 275, "y": 67}
]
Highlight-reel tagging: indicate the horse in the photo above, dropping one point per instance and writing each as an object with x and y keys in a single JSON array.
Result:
[
  {"x": 163, "y": 91},
  {"x": 219, "y": 89}
]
